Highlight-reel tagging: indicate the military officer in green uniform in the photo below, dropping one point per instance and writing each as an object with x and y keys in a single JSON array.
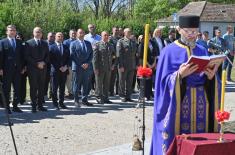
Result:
[
  {"x": 113, "y": 39},
  {"x": 102, "y": 63},
  {"x": 126, "y": 55}
]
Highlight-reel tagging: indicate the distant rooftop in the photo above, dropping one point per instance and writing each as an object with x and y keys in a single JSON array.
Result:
[{"x": 209, "y": 12}]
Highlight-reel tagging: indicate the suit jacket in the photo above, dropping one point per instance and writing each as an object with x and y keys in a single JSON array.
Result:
[
  {"x": 67, "y": 42},
  {"x": 10, "y": 58},
  {"x": 36, "y": 53},
  {"x": 57, "y": 60},
  {"x": 79, "y": 56},
  {"x": 156, "y": 46}
]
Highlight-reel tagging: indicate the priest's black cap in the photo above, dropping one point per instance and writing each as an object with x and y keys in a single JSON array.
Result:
[{"x": 190, "y": 21}]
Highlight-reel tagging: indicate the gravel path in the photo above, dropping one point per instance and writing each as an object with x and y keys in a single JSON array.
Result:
[
  {"x": 77, "y": 131},
  {"x": 72, "y": 131}
]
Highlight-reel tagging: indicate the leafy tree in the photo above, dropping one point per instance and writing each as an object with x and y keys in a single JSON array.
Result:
[{"x": 49, "y": 15}]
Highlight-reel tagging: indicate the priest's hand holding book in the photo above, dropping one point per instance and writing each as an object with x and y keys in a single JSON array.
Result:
[
  {"x": 187, "y": 69},
  {"x": 197, "y": 64},
  {"x": 210, "y": 72}
]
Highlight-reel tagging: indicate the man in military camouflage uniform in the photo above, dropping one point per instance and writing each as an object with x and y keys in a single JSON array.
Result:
[
  {"x": 102, "y": 63},
  {"x": 114, "y": 73},
  {"x": 126, "y": 52}
]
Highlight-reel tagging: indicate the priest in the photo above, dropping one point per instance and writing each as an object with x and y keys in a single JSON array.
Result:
[{"x": 185, "y": 101}]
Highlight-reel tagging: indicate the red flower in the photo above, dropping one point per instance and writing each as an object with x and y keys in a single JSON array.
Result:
[
  {"x": 144, "y": 72},
  {"x": 222, "y": 115}
]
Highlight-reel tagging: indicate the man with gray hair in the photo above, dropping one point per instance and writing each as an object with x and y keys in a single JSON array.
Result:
[
  {"x": 102, "y": 63},
  {"x": 126, "y": 55},
  {"x": 37, "y": 57}
]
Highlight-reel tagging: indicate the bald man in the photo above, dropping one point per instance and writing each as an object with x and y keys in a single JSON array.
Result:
[
  {"x": 102, "y": 64},
  {"x": 81, "y": 54},
  {"x": 126, "y": 52},
  {"x": 37, "y": 57}
]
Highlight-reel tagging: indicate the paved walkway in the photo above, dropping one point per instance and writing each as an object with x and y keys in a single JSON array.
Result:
[
  {"x": 71, "y": 132},
  {"x": 125, "y": 149}
]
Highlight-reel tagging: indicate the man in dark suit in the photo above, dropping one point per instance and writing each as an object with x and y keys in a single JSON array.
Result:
[
  {"x": 59, "y": 58},
  {"x": 11, "y": 66},
  {"x": 50, "y": 40},
  {"x": 69, "y": 80},
  {"x": 37, "y": 56},
  {"x": 81, "y": 54}
]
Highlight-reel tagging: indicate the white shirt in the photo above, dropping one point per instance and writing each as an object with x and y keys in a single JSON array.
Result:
[
  {"x": 159, "y": 41},
  {"x": 92, "y": 38},
  {"x": 36, "y": 40}
]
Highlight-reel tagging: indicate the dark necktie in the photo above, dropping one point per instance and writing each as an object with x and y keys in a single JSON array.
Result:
[
  {"x": 60, "y": 48},
  {"x": 13, "y": 44},
  {"x": 83, "y": 47},
  {"x": 38, "y": 42}
]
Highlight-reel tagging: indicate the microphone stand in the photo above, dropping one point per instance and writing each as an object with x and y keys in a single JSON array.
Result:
[{"x": 8, "y": 117}]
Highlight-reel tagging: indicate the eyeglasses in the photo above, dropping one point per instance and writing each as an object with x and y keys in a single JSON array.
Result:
[{"x": 194, "y": 32}]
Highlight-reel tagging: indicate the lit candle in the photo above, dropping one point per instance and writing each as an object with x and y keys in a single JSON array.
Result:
[
  {"x": 223, "y": 90},
  {"x": 146, "y": 44}
]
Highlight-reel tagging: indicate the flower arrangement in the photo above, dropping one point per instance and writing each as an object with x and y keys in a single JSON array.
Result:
[
  {"x": 221, "y": 116},
  {"x": 144, "y": 72}
]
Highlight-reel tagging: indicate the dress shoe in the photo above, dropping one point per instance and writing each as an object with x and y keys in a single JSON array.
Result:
[
  {"x": 69, "y": 96},
  {"x": 62, "y": 106},
  {"x": 34, "y": 110},
  {"x": 8, "y": 110},
  {"x": 230, "y": 80},
  {"x": 123, "y": 100},
  {"x": 108, "y": 102},
  {"x": 129, "y": 100},
  {"x": 17, "y": 109},
  {"x": 86, "y": 103},
  {"x": 22, "y": 103},
  {"x": 55, "y": 104},
  {"x": 99, "y": 101},
  {"x": 77, "y": 104},
  {"x": 111, "y": 94},
  {"x": 41, "y": 108}
]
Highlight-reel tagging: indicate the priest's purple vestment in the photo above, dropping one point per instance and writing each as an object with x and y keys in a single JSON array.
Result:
[{"x": 182, "y": 105}]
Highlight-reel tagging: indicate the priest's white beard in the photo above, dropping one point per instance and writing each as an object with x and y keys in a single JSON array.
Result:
[{"x": 190, "y": 43}]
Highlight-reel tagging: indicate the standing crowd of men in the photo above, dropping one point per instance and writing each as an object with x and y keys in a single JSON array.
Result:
[{"x": 103, "y": 65}]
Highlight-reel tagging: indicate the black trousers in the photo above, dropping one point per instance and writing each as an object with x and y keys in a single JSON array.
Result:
[
  {"x": 37, "y": 79},
  {"x": 11, "y": 76},
  {"x": 47, "y": 82},
  {"x": 23, "y": 87},
  {"x": 58, "y": 81}
]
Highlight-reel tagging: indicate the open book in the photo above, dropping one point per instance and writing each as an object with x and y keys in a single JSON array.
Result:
[{"x": 206, "y": 61}]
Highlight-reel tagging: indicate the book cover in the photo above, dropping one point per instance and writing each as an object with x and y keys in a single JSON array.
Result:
[{"x": 206, "y": 61}]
